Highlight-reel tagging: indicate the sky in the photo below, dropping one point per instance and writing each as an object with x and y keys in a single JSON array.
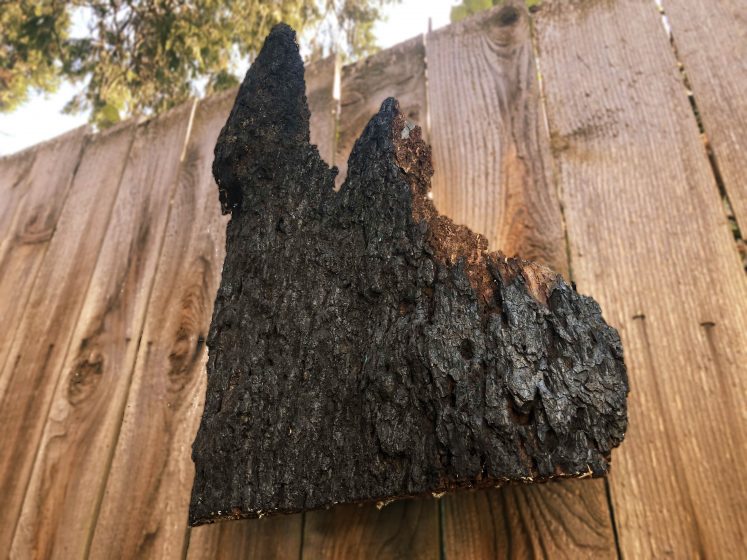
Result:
[{"x": 41, "y": 117}]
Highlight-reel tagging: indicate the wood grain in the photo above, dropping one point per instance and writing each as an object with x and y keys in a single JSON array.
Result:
[
  {"x": 42, "y": 191},
  {"x": 403, "y": 529},
  {"x": 711, "y": 41},
  {"x": 568, "y": 519},
  {"x": 269, "y": 538},
  {"x": 14, "y": 175},
  {"x": 322, "y": 82},
  {"x": 87, "y": 402},
  {"x": 492, "y": 172},
  {"x": 396, "y": 72},
  {"x": 144, "y": 508},
  {"x": 44, "y": 332},
  {"x": 29, "y": 341},
  {"x": 649, "y": 240}
]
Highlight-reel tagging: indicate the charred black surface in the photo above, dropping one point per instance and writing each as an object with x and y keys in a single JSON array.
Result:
[{"x": 363, "y": 347}]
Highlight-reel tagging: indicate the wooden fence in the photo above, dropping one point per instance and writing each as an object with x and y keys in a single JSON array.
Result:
[{"x": 112, "y": 247}]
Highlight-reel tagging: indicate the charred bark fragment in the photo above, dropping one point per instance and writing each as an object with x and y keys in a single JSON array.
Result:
[{"x": 365, "y": 348}]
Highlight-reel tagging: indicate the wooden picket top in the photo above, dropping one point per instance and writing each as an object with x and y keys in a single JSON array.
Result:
[{"x": 567, "y": 135}]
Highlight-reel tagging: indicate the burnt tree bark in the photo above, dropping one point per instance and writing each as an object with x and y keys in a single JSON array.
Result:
[{"x": 365, "y": 348}]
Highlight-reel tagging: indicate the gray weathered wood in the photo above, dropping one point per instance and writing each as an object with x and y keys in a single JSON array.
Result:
[
  {"x": 23, "y": 378},
  {"x": 322, "y": 81},
  {"x": 85, "y": 394},
  {"x": 711, "y": 42},
  {"x": 493, "y": 172},
  {"x": 14, "y": 183},
  {"x": 648, "y": 237},
  {"x": 44, "y": 333},
  {"x": 164, "y": 400},
  {"x": 29, "y": 226}
]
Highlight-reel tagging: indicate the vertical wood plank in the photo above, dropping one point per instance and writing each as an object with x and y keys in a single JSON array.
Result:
[
  {"x": 21, "y": 255},
  {"x": 85, "y": 397},
  {"x": 566, "y": 519},
  {"x": 322, "y": 81},
  {"x": 14, "y": 175},
  {"x": 407, "y": 529},
  {"x": 396, "y": 72},
  {"x": 711, "y": 40},
  {"x": 493, "y": 172},
  {"x": 44, "y": 332},
  {"x": 270, "y": 538},
  {"x": 31, "y": 226},
  {"x": 403, "y": 529},
  {"x": 649, "y": 240},
  {"x": 144, "y": 508}
]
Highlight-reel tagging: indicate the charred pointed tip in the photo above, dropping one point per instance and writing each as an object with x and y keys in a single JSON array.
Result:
[
  {"x": 274, "y": 84},
  {"x": 393, "y": 136},
  {"x": 270, "y": 111},
  {"x": 379, "y": 130},
  {"x": 389, "y": 107}
]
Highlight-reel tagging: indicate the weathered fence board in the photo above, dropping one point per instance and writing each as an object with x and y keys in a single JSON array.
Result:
[
  {"x": 14, "y": 175},
  {"x": 273, "y": 538},
  {"x": 403, "y": 529},
  {"x": 31, "y": 226},
  {"x": 396, "y": 72},
  {"x": 44, "y": 333},
  {"x": 490, "y": 169},
  {"x": 165, "y": 396},
  {"x": 322, "y": 81},
  {"x": 31, "y": 340},
  {"x": 711, "y": 41},
  {"x": 557, "y": 520},
  {"x": 497, "y": 170},
  {"x": 649, "y": 239},
  {"x": 87, "y": 402}
]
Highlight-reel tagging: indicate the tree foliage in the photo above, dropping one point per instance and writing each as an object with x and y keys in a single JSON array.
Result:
[
  {"x": 144, "y": 56},
  {"x": 469, "y": 7}
]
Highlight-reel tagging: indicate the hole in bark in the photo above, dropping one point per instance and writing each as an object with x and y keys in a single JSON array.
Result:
[
  {"x": 467, "y": 349},
  {"x": 522, "y": 418}
]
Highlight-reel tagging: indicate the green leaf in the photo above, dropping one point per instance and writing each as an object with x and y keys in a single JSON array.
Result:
[{"x": 145, "y": 56}]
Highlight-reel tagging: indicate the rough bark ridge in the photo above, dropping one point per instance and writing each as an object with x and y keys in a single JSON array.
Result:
[{"x": 365, "y": 348}]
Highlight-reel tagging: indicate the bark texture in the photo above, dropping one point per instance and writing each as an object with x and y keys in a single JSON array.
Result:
[{"x": 365, "y": 348}]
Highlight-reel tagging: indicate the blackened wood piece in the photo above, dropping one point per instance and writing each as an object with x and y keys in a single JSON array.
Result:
[{"x": 365, "y": 348}]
